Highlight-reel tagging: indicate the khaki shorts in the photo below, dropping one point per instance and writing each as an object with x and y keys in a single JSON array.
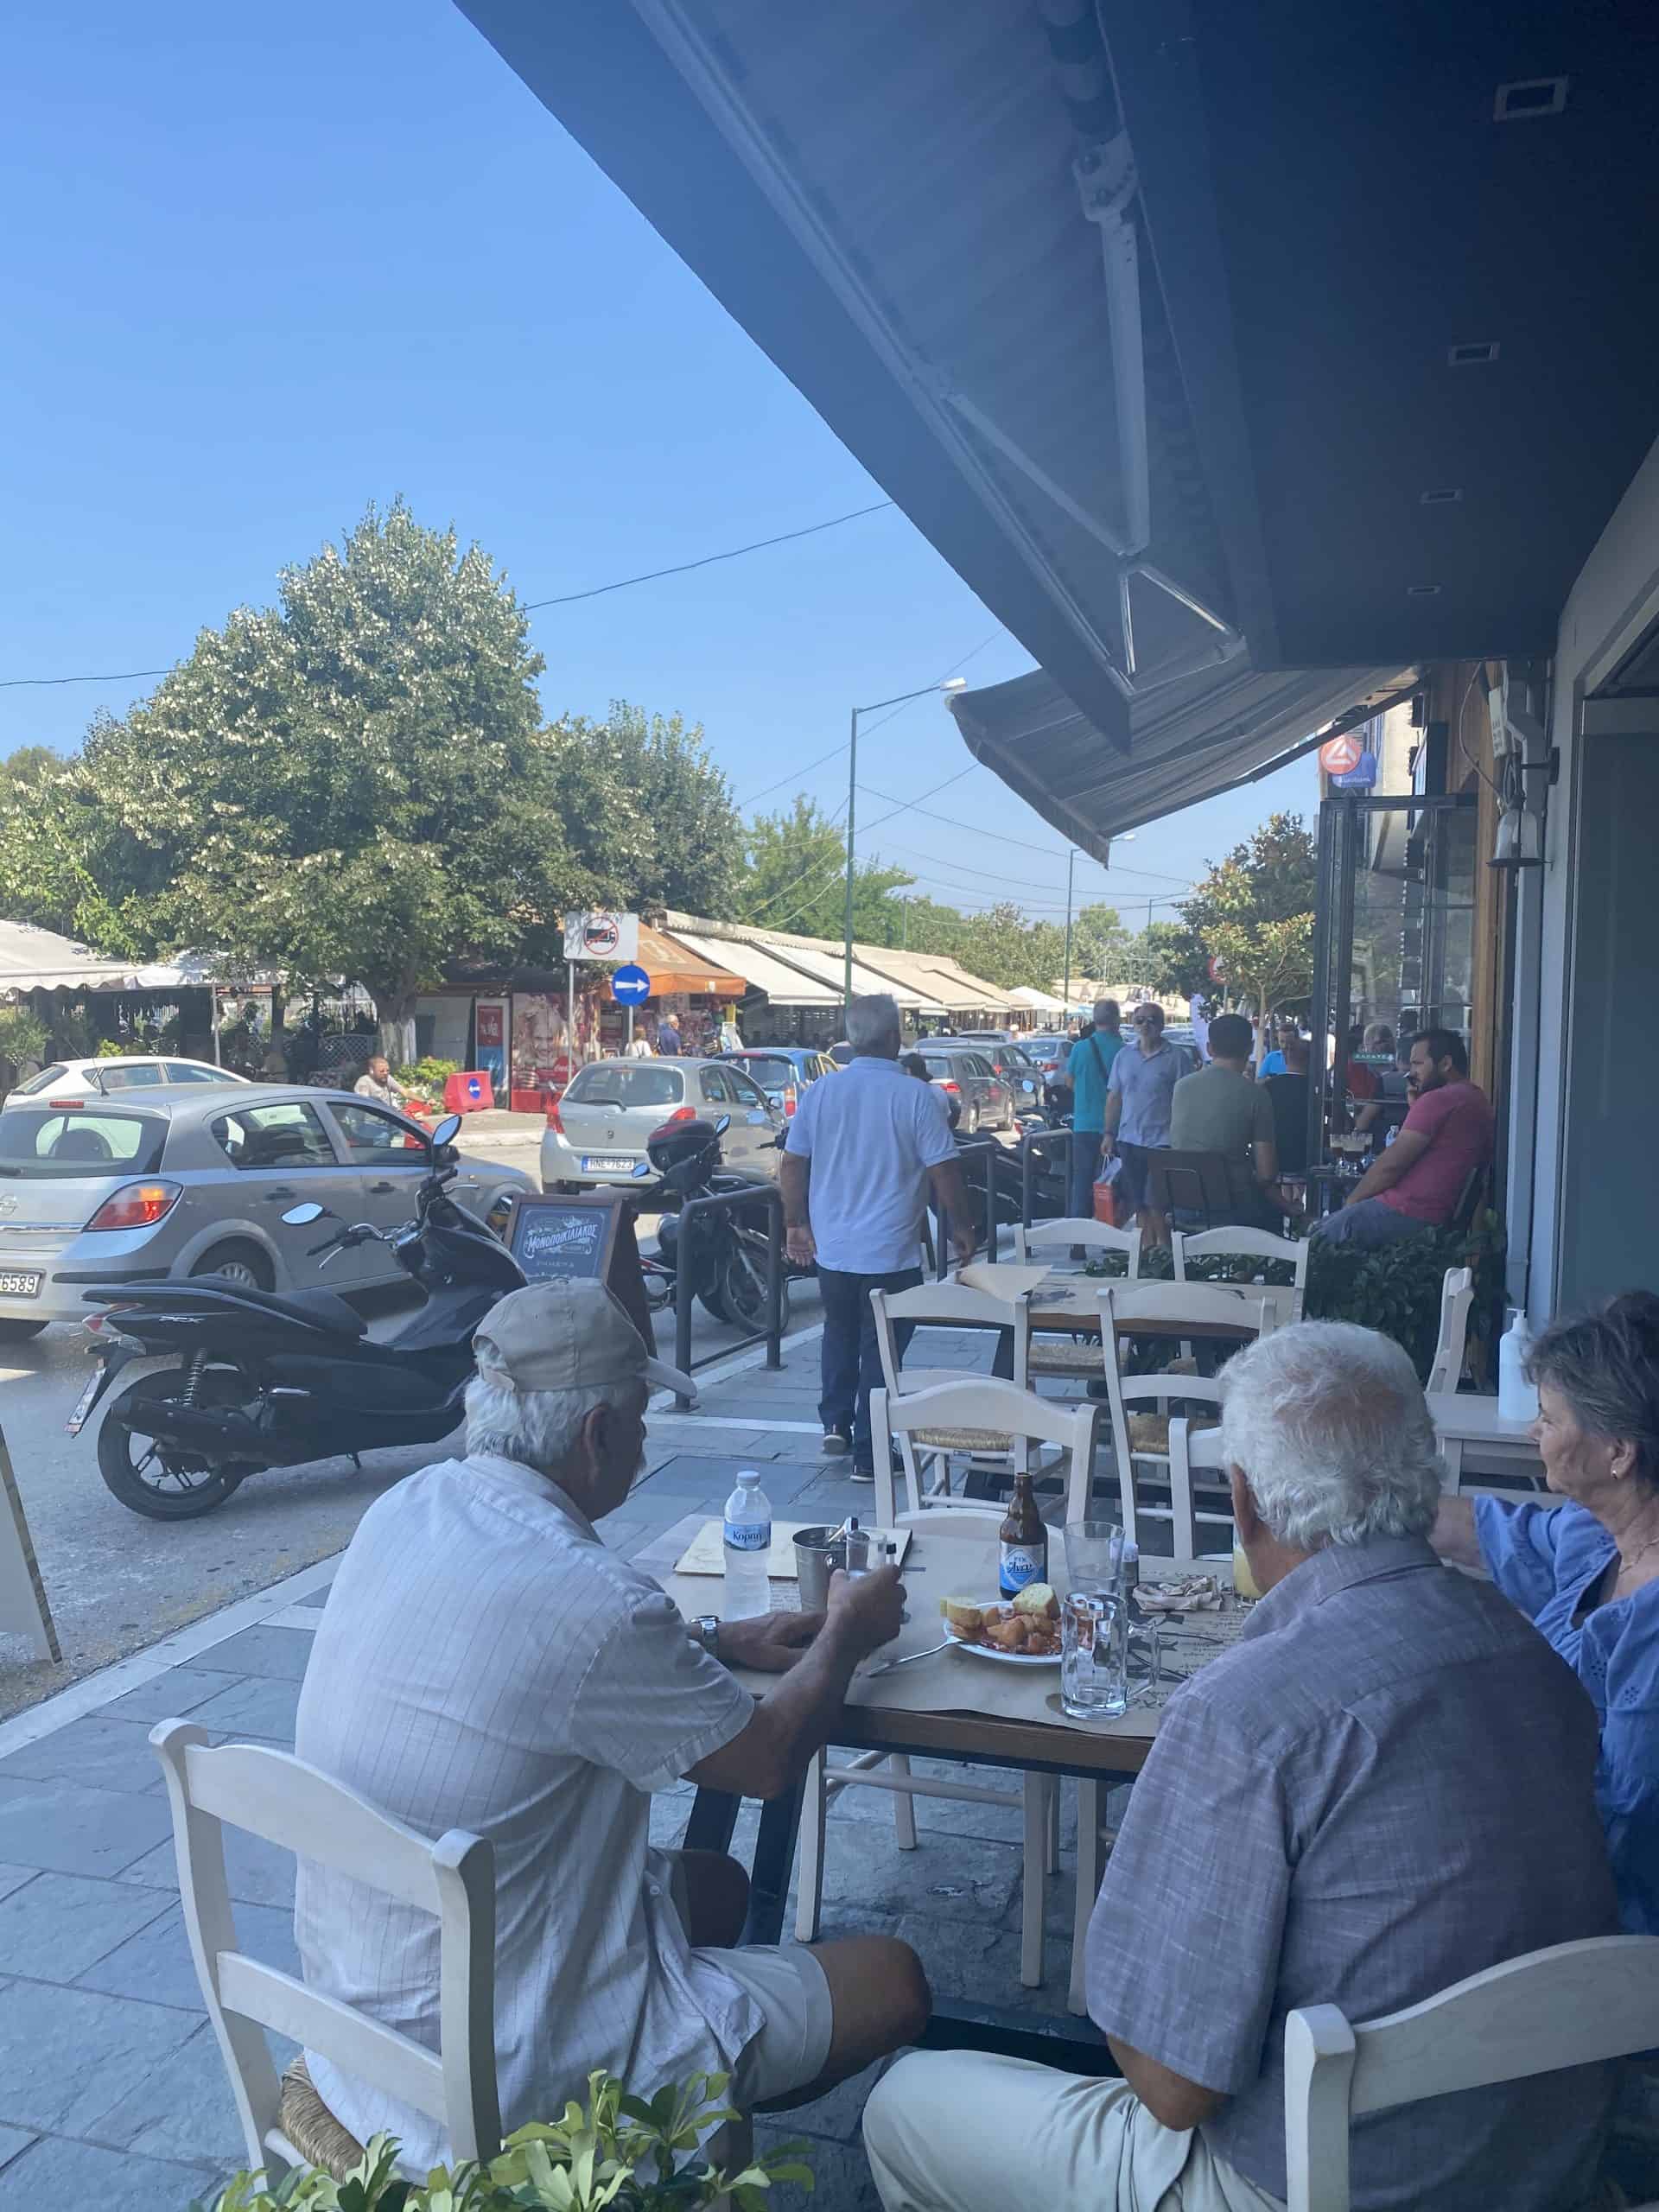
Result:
[{"x": 788, "y": 1988}]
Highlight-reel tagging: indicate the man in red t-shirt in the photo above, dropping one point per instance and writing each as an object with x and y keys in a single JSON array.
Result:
[{"x": 1415, "y": 1185}]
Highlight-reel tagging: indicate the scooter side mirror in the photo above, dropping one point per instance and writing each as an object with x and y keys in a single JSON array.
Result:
[
  {"x": 445, "y": 1131},
  {"x": 722, "y": 1125},
  {"x": 301, "y": 1216},
  {"x": 445, "y": 1155}
]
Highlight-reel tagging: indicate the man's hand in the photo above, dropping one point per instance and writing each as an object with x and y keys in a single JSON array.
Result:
[
  {"x": 770, "y": 1643},
  {"x": 1107, "y": 1146},
  {"x": 800, "y": 1247},
  {"x": 869, "y": 1611},
  {"x": 964, "y": 1240}
]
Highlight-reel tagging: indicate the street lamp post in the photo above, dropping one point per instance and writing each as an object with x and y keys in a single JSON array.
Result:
[
  {"x": 955, "y": 683},
  {"x": 1071, "y": 868}
]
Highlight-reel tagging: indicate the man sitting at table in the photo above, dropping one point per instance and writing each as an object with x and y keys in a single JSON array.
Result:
[
  {"x": 484, "y": 1662},
  {"x": 1386, "y": 1784},
  {"x": 1416, "y": 1183}
]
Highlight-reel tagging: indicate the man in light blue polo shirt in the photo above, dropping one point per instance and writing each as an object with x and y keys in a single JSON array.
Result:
[
  {"x": 1090, "y": 1068},
  {"x": 861, "y": 1153},
  {"x": 1138, "y": 1099}
]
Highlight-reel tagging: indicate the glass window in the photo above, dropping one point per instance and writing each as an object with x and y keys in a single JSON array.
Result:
[
  {"x": 633, "y": 1082},
  {"x": 78, "y": 1141},
  {"x": 375, "y": 1138},
  {"x": 717, "y": 1089},
  {"x": 768, "y": 1069},
  {"x": 129, "y": 1074},
  {"x": 188, "y": 1071},
  {"x": 44, "y": 1081},
  {"x": 747, "y": 1093},
  {"x": 937, "y": 1066},
  {"x": 289, "y": 1135}
]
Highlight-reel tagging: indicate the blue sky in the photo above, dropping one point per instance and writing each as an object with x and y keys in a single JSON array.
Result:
[{"x": 266, "y": 265}]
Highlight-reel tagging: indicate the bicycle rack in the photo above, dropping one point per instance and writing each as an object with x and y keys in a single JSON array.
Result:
[{"x": 697, "y": 1209}]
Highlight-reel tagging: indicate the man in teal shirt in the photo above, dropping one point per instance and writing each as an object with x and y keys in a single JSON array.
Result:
[{"x": 1087, "y": 1071}]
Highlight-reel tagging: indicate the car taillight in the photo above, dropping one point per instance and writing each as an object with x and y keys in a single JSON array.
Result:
[
  {"x": 553, "y": 1121},
  {"x": 945, "y": 1084},
  {"x": 681, "y": 1114},
  {"x": 68, "y": 1105},
  {"x": 789, "y": 1101},
  {"x": 136, "y": 1205}
]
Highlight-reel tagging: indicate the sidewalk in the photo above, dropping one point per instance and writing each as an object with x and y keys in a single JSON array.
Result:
[
  {"x": 110, "y": 2084},
  {"x": 496, "y": 1130}
]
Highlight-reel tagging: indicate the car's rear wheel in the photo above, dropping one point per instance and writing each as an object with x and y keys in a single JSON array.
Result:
[
  {"x": 15, "y": 1332},
  {"x": 245, "y": 1265},
  {"x": 970, "y": 1120},
  {"x": 162, "y": 1482}
]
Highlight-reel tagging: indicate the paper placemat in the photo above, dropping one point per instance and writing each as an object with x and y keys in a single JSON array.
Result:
[
  {"x": 706, "y": 1554},
  {"x": 1002, "y": 1278}
]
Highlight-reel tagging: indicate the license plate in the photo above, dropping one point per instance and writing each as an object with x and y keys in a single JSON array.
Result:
[
  {"x": 14, "y": 1283},
  {"x": 84, "y": 1403},
  {"x": 606, "y": 1163}
]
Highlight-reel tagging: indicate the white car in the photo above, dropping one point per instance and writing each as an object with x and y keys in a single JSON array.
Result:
[{"x": 101, "y": 1078}]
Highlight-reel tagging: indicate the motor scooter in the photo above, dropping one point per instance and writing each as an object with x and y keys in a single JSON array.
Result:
[
  {"x": 730, "y": 1250},
  {"x": 264, "y": 1379}
]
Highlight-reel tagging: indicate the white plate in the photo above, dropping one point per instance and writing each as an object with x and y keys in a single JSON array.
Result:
[{"x": 984, "y": 1651}]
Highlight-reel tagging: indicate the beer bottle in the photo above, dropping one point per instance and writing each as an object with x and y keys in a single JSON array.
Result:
[{"x": 1022, "y": 1542}]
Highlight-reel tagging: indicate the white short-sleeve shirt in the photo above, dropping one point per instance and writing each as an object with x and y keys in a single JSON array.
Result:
[
  {"x": 484, "y": 1662},
  {"x": 871, "y": 1131}
]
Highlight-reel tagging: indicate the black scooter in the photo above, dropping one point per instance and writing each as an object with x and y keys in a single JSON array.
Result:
[
  {"x": 729, "y": 1252},
  {"x": 271, "y": 1379}
]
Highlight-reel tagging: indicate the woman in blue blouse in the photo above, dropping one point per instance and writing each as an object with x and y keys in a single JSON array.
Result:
[{"x": 1586, "y": 1573}]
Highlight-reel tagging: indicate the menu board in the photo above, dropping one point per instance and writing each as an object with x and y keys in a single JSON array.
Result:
[{"x": 588, "y": 1237}]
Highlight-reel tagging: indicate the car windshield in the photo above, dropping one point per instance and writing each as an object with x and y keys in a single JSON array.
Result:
[
  {"x": 769, "y": 1068},
  {"x": 937, "y": 1066},
  {"x": 36, "y": 1142},
  {"x": 44, "y": 1081},
  {"x": 632, "y": 1083}
]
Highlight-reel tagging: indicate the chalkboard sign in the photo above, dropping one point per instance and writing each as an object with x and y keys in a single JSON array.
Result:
[{"x": 588, "y": 1237}]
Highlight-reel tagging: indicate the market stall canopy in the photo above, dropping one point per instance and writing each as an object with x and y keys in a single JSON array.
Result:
[
  {"x": 1036, "y": 1001},
  {"x": 206, "y": 971},
  {"x": 826, "y": 961},
  {"x": 674, "y": 965},
  {"x": 782, "y": 985},
  {"x": 1192, "y": 738},
  {"x": 40, "y": 960},
  {"x": 956, "y": 991}
]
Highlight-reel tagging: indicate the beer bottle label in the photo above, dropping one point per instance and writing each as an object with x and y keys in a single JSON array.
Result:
[{"x": 1022, "y": 1564}]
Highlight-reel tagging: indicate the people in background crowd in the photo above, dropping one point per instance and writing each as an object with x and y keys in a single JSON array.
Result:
[
  {"x": 860, "y": 1155},
  {"x": 1138, "y": 1099},
  {"x": 1271, "y": 1061},
  {"x": 731, "y": 1037},
  {"x": 1089, "y": 1068},
  {"x": 1395, "y": 1091},
  {"x": 1586, "y": 1573},
  {"x": 378, "y": 1082},
  {"x": 1222, "y": 1108},
  {"x": 668, "y": 1034},
  {"x": 1416, "y": 1185},
  {"x": 1288, "y": 1095},
  {"x": 914, "y": 1064},
  {"x": 1344, "y": 1808}
]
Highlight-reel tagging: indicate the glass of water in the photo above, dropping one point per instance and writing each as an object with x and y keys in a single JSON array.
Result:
[{"x": 1094, "y": 1656}]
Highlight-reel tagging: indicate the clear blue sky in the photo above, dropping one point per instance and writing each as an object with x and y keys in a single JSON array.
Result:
[{"x": 266, "y": 265}]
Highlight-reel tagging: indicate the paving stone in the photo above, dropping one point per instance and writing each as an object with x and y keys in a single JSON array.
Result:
[
  {"x": 258, "y": 1874},
  {"x": 318, "y": 1597},
  {"x": 57, "y": 2171},
  {"x": 71, "y": 1829},
  {"x": 101, "y": 1754},
  {"x": 258, "y": 1704},
  {"x": 60, "y": 1924},
  {"x": 948, "y": 1816},
  {"x": 169, "y": 1697},
  {"x": 841, "y": 2172},
  {"x": 183, "y": 2109},
  {"x": 281, "y": 1652},
  {"x": 962, "y": 1877},
  {"x": 974, "y": 1963},
  {"x": 13, "y": 1878},
  {"x": 12, "y": 2140},
  {"x": 155, "y": 1965},
  {"x": 67, "y": 2056},
  {"x": 835, "y": 2117}
]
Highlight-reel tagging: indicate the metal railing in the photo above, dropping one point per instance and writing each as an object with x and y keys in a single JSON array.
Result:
[
  {"x": 696, "y": 1210},
  {"x": 1035, "y": 1147},
  {"x": 989, "y": 1171}
]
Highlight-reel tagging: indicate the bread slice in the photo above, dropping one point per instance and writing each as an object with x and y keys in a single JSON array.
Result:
[
  {"x": 961, "y": 1614},
  {"x": 1037, "y": 1598}
]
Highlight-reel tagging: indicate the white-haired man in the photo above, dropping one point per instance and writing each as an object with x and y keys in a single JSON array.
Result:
[
  {"x": 861, "y": 1153},
  {"x": 1384, "y": 1786},
  {"x": 484, "y": 1662}
]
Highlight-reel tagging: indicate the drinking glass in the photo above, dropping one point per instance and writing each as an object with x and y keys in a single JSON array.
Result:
[
  {"x": 1094, "y": 1656},
  {"x": 1091, "y": 1549}
]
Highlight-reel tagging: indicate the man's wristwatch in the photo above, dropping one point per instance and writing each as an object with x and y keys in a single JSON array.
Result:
[{"x": 706, "y": 1628}]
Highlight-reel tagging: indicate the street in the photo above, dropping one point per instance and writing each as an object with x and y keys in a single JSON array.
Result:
[{"x": 118, "y": 1582}]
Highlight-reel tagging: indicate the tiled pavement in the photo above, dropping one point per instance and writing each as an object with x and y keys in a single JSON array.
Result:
[{"x": 110, "y": 2085}]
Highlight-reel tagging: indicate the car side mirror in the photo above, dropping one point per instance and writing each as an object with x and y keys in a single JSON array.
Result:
[
  {"x": 446, "y": 1132},
  {"x": 301, "y": 1216}
]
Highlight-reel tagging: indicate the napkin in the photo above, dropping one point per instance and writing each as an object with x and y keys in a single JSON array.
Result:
[{"x": 1181, "y": 1594}]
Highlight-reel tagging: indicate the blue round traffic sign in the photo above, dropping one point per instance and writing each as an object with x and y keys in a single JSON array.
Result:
[{"x": 630, "y": 986}]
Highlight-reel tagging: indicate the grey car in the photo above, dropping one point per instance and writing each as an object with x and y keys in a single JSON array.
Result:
[
  {"x": 597, "y": 1134},
  {"x": 968, "y": 1076},
  {"x": 170, "y": 1183}
]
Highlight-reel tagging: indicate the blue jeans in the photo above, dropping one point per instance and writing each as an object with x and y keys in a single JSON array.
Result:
[
  {"x": 851, "y": 1359},
  {"x": 1371, "y": 1224},
  {"x": 1083, "y": 1167}
]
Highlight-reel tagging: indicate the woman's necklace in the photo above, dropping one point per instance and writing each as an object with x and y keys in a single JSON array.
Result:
[{"x": 1640, "y": 1552}]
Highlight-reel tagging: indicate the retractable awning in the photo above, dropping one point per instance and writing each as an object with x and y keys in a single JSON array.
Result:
[
  {"x": 1189, "y": 740},
  {"x": 782, "y": 985},
  {"x": 955, "y": 989},
  {"x": 40, "y": 960},
  {"x": 828, "y": 964},
  {"x": 674, "y": 965}
]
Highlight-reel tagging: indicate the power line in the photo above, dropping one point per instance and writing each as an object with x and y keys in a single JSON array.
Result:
[
  {"x": 793, "y": 775},
  {"x": 976, "y": 830}
]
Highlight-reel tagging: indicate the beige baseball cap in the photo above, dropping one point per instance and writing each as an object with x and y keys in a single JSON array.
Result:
[{"x": 569, "y": 1335}]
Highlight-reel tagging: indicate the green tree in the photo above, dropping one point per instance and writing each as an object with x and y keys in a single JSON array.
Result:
[
  {"x": 59, "y": 865},
  {"x": 795, "y": 878},
  {"x": 690, "y": 836},
  {"x": 1254, "y": 913},
  {"x": 1170, "y": 959},
  {"x": 1100, "y": 944}
]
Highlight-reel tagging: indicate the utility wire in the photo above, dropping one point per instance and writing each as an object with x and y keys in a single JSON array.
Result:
[{"x": 1049, "y": 852}]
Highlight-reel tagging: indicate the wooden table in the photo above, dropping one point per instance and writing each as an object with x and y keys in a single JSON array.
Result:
[
  {"x": 1462, "y": 1418},
  {"x": 956, "y": 1556}
]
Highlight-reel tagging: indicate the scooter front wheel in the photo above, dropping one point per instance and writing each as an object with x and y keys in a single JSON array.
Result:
[{"x": 162, "y": 1482}]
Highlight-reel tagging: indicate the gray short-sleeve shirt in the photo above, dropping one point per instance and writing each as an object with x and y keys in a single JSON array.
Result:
[{"x": 1146, "y": 1081}]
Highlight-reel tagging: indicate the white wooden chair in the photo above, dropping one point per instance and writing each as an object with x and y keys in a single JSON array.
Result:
[
  {"x": 977, "y": 1405},
  {"x": 273, "y": 1794},
  {"x": 1457, "y": 1296},
  {"x": 947, "y": 1304},
  {"x": 1286, "y": 1299},
  {"x": 1569, "y": 2006},
  {"x": 1072, "y": 1358}
]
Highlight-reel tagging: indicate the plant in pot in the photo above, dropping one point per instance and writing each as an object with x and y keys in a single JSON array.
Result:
[{"x": 617, "y": 2153}]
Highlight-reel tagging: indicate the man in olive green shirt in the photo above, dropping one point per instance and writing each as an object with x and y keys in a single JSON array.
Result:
[{"x": 1222, "y": 1110}]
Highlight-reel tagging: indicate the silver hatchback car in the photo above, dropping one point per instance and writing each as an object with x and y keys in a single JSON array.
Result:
[
  {"x": 597, "y": 1134},
  {"x": 169, "y": 1183}
]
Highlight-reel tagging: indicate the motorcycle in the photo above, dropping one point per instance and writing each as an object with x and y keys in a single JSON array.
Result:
[
  {"x": 265, "y": 1379},
  {"x": 729, "y": 1254}
]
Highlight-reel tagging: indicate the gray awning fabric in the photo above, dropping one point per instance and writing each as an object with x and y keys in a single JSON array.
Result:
[
  {"x": 782, "y": 985},
  {"x": 1189, "y": 740},
  {"x": 40, "y": 960}
]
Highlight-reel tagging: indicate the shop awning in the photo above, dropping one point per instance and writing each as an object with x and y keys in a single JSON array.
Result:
[
  {"x": 673, "y": 965},
  {"x": 826, "y": 963},
  {"x": 1189, "y": 740},
  {"x": 955, "y": 990},
  {"x": 40, "y": 960},
  {"x": 1036, "y": 1001},
  {"x": 782, "y": 985}
]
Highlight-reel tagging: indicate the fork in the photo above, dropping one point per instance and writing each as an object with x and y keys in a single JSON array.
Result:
[{"x": 887, "y": 1665}]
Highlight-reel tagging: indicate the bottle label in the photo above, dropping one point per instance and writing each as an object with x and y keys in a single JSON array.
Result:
[
  {"x": 749, "y": 1535},
  {"x": 1021, "y": 1565}
]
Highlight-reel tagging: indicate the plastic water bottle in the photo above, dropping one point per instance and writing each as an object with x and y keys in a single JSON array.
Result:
[
  {"x": 1518, "y": 1399},
  {"x": 748, "y": 1540}
]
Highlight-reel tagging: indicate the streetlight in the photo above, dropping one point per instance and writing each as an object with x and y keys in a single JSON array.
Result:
[
  {"x": 1123, "y": 837},
  {"x": 952, "y": 683}
]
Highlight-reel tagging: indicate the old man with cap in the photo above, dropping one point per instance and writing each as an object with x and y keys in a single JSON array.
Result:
[{"x": 484, "y": 1662}]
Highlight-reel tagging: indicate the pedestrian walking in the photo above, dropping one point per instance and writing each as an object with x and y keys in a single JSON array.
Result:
[
  {"x": 668, "y": 1034},
  {"x": 1138, "y": 1101},
  {"x": 855, "y": 1173},
  {"x": 1089, "y": 1068}
]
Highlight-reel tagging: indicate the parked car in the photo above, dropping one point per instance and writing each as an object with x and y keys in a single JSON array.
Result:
[
  {"x": 1010, "y": 1061},
  {"x": 598, "y": 1133},
  {"x": 784, "y": 1072},
  {"x": 968, "y": 1078},
  {"x": 1185, "y": 1038},
  {"x": 102, "y": 1078},
  {"x": 170, "y": 1181}
]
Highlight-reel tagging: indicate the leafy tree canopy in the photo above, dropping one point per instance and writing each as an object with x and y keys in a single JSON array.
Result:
[
  {"x": 1254, "y": 911},
  {"x": 794, "y": 877}
]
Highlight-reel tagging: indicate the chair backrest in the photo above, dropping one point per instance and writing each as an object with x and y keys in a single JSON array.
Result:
[
  {"x": 1243, "y": 1303},
  {"x": 1197, "y": 1182},
  {"x": 1192, "y": 1451},
  {"x": 1128, "y": 1396},
  {"x": 1457, "y": 1296},
  {"x": 1569, "y": 2006},
  {"x": 985, "y": 1403},
  {"x": 274, "y": 1795},
  {"x": 1251, "y": 1245},
  {"x": 1047, "y": 1239}
]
